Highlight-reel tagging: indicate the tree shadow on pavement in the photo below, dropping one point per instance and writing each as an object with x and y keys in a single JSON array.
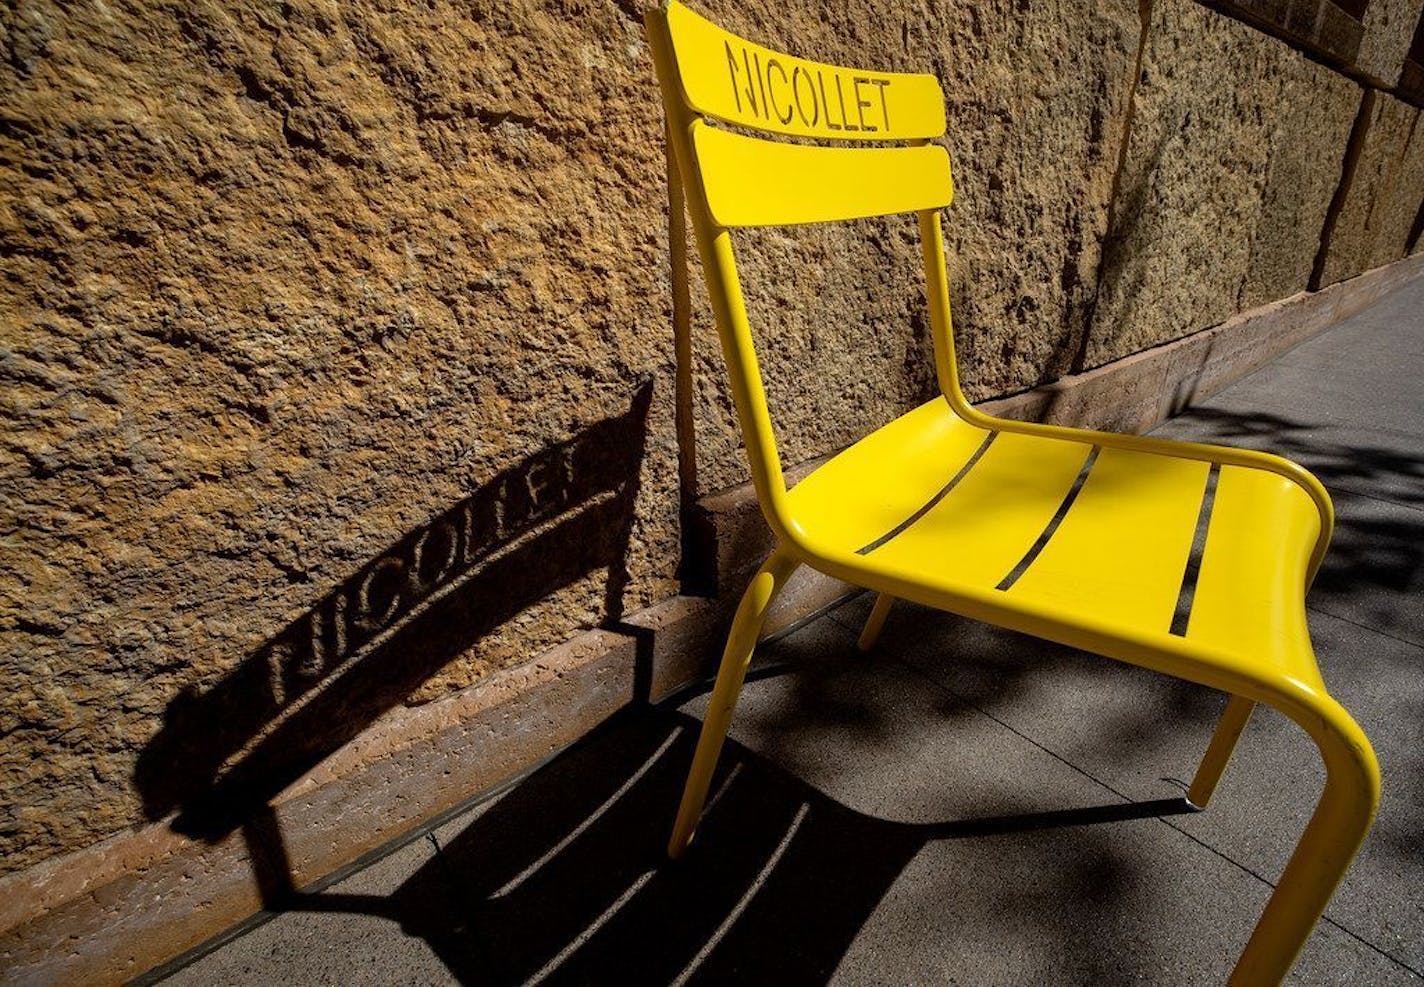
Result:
[
  {"x": 1376, "y": 557},
  {"x": 1367, "y": 462}
]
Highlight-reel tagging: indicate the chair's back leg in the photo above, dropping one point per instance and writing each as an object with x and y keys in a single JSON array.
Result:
[
  {"x": 1218, "y": 752},
  {"x": 870, "y": 633},
  {"x": 685, "y": 416},
  {"x": 741, "y": 642}
]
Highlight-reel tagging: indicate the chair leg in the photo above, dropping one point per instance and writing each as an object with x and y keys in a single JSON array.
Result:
[
  {"x": 873, "y": 624},
  {"x": 1334, "y": 834},
  {"x": 741, "y": 642},
  {"x": 1218, "y": 752}
]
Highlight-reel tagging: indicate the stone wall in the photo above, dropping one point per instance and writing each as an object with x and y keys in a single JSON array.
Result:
[
  {"x": 1219, "y": 191},
  {"x": 285, "y": 286},
  {"x": 1379, "y": 206},
  {"x": 1411, "y": 76},
  {"x": 336, "y": 351}
]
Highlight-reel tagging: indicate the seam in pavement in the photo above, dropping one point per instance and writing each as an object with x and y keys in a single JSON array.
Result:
[
  {"x": 1364, "y": 627},
  {"x": 1098, "y": 781},
  {"x": 1376, "y": 498}
]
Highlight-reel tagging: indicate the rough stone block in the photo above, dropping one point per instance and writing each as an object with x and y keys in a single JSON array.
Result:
[
  {"x": 1383, "y": 200},
  {"x": 1331, "y": 29},
  {"x": 1389, "y": 29},
  {"x": 1316, "y": 109},
  {"x": 1141, "y": 391},
  {"x": 1235, "y": 143},
  {"x": 1411, "y": 77},
  {"x": 1411, "y": 81},
  {"x": 1338, "y": 31}
]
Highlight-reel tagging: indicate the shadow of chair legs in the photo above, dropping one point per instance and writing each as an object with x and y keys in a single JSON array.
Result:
[{"x": 563, "y": 878}]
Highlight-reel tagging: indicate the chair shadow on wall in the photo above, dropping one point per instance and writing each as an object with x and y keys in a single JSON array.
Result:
[{"x": 558, "y": 516}]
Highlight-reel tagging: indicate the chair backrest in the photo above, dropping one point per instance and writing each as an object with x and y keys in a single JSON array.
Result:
[{"x": 710, "y": 78}]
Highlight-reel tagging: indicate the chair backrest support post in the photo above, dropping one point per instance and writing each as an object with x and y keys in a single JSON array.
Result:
[
  {"x": 941, "y": 320},
  {"x": 918, "y": 117},
  {"x": 719, "y": 265}
]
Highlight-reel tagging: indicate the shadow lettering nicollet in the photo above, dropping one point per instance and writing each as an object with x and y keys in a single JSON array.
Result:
[{"x": 365, "y": 646}]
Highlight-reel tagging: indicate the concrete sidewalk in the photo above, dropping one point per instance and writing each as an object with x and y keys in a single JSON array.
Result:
[{"x": 963, "y": 806}]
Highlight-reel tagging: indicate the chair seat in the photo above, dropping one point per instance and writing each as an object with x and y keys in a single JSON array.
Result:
[{"x": 1060, "y": 536}]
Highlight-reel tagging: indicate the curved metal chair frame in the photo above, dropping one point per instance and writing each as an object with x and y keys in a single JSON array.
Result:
[{"x": 1080, "y": 537}]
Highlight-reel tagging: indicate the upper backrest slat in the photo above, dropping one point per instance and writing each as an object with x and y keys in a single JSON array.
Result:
[
  {"x": 727, "y": 77},
  {"x": 753, "y": 182}
]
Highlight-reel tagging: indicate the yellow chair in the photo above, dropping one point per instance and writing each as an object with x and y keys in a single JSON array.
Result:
[{"x": 1085, "y": 538}]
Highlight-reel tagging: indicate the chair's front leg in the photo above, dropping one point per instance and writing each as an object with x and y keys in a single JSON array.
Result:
[
  {"x": 741, "y": 642},
  {"x": 1218, "y": 752},
  {"x": 1334, "y": 834}
]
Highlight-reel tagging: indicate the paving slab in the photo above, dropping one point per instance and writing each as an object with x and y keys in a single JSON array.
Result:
[
  {"x": 1018, "y": 887},
  {"x": 1274, "y": 777},
  {"x": 342, "y": 936},
  {"x": 1347, "y": 458},
  {"x": 873, "y": 736},
  {"x": 1399, "y": 308},
  {"x": 1347, "y": 404},
  {"x": 1373, "y": 574},
  {"x": 1339, "y": 397},
  {"x": 1141, "y": 734}
]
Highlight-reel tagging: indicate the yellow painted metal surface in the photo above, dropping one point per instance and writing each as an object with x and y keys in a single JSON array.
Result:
[
  {"x": 1122, "y": 549},
  {"x": 882, "y": 480},
  {"x": 1218, "y": 752},
  {"x": 978, "y": 532},
  {"x": 741, "y": 643},
  {"x": 1250, "y": 594},
  {"x": 752, "y": 182},
  {"x": 996, "y": 519},
  {"x": 870, "y": 633},
  {"x": 733, "y": 79}
]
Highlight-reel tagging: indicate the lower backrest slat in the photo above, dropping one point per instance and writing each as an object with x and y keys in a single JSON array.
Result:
[{"x": 753, "y": 182}]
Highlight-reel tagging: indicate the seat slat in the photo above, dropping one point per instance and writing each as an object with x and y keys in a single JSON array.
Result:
[
  {"x": 1121, "y": 550},
  {"x": 983, "y": 527},
  {"x": 1249, "y": 595},
  {"x": 752, "y": 182},
  {"x": 881, "y": 481},
  {"x": 744, "y": 83}
]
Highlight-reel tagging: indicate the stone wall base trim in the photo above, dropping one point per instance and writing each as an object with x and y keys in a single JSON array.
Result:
[{"x": 117, "y": 909}]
